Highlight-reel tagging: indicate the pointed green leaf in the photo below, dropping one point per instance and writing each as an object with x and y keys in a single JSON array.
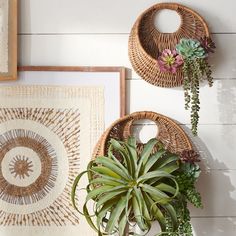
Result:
[
  {"x": 74, "y": 187},
  {"x": 105, "y": 171},
  {"x": 104, "y": 181},
  {"x": 119, "y": 164},
  {"x": 115, "y": 215},
  {"x": 170, "y": 168},
  {"x": 110, "y": 164},
  {"x": 152, "y": 160},
  {"x": 107, "y": 177},
  {"x": 165, "y": 160},
  {"x": 138, "y": 214},
  {"x": 123, "y": 222},
  {"x": 98, "y": 191},
  {"x": 155, "y": 193},
  {"x": 108, "y": 196},
  {"x": 104, "y": 211},
  {"x": 88, "y": 218},
  {"x": 143, "y": 207},
  {"x": 154, "y": 174},
  {"x": 155, "y": 211},
  {"x": 172, "y": 213},
  {"x": 124, "y": 153},
  {"x": 148, "y": 148},
  {"x": 168, "y": 189}
]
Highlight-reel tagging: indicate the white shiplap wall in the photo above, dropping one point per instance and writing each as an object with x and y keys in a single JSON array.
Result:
[{"x": 95, "y": 33}]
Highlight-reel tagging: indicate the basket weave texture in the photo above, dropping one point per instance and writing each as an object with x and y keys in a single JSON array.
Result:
[
  {"x": 146, "y": 42},
  {"x": 169, "y": 133}
]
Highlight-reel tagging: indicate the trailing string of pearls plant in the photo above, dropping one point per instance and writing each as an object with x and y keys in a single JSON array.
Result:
[{"x": 190, "y": 56}]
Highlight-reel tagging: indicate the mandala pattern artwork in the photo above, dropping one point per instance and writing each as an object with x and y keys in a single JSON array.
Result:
[{"x": 39, "y": 158}]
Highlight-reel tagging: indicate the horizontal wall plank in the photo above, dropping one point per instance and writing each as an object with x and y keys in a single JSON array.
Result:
[
  {"x": 105, "y": 16},
  {"x": 215, "y": 143},
  {"x": 218, "y": 104},
  {"x": 214, "y": 226},
  {"x": 74, "y": 50},
  {"x": 207, "y": 227},
  {"x": 108, "y": 50},
  {"x": 218, "y": 190}
]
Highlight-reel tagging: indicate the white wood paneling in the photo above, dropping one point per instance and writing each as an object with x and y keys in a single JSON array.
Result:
[
  {"x": 214, "y": 226},
  {"x": 106, "y": 16},
  {"x": 218, "y": 190},
  {"x": 108, "y": 50},
  {"x": 86, "y": 50},
  {"x": 215, "y": 143},
  {"x": 218, "y": 104},
  {"x": 217, "y": 146}
]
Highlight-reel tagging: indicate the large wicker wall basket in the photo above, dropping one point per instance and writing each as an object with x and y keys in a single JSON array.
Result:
[
  {"x": 169, "y": 133},
  {"x": 146, "y": 42}
]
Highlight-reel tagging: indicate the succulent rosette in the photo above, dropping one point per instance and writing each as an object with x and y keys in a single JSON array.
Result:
[
  {"x": 191, "y": 49},
  {"x": 169, "y": 61},
  {"x": 192, "y": 56},
  {"x": 208, "y": 44},
  {"x": 189, "y": 156}
]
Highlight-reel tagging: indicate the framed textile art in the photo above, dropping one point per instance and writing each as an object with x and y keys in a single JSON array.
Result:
[
  {"x": 8, "y": 39},
  {"x": 50, "y": 120}
]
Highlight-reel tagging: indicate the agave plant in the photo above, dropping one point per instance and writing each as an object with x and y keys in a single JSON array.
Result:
[{"x": 127, "y": 187}]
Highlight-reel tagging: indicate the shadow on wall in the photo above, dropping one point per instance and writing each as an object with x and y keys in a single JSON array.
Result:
[
  {"x": 216, "y": 189},
  {"x": 217, "y": 192},
  {"x": 226, "y": 97}
]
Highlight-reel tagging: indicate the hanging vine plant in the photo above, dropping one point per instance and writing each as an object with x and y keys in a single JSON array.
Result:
[{"x": 190, "y": 56}]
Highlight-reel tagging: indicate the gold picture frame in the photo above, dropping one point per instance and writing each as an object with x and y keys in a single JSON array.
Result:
[{"x": 8, "y": 39}]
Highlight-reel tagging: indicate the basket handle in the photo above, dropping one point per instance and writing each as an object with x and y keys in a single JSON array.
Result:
[
  {"x": 140, "y": 116},
  {"x": 163, "y": 6},
  {"x": 170, "y": 6}
]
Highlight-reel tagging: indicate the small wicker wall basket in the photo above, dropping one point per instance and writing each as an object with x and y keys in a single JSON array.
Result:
[
  {"x": 169, "y": 133},
  {"x": 146, "y": 42}
]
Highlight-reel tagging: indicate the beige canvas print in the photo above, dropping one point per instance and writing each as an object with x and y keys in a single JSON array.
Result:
[{"x": 46, "y": 139}]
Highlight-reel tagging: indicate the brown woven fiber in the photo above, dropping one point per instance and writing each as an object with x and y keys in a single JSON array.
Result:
[
  {"x": 169, "y": 133},
  {"x": 146, "y": 42}
]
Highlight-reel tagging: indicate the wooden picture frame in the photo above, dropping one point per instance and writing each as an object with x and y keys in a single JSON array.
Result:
[
  {"x": 60, "y": 114},
  {"x": 8, "y": 49},
  {"x": 96, "y": 73}
]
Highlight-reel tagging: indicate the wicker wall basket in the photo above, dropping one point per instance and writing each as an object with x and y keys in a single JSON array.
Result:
[
  {"x": 169, "y": 133},
  {"x": 146, "y": 42}
]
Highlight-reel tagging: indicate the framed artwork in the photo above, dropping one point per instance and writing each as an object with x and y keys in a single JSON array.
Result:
[
  {"x": 111, "y": 78},
  {"x": 8, "y": 39},
  {"x": 50, "y": 121}
]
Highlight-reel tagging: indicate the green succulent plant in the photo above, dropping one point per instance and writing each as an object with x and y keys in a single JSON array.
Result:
[
  {"x": 190, "y": 49},
  {"x": 127, "y": 187},
  {"x": 195, "y": 69}
]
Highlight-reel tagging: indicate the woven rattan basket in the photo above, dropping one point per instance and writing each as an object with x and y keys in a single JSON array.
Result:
[
  {"x": 146, "y": 42},
  {"x": 169, "y": 133}
]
